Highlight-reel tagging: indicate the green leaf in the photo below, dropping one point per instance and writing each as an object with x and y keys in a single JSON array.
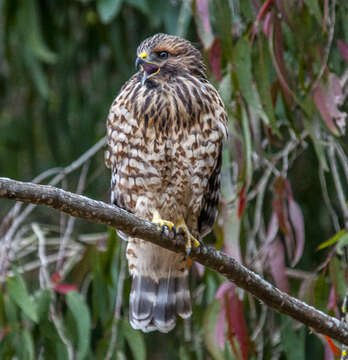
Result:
[
  {"x": 333, "y": 240},
  {"x": 225, "y": 89},
  {"x": 292, "y": 341},
  {"x": 30, "y": 27},
  {"x": 184, "y": 353},
  {"x": 80, "y": 313},
  {"x": 310, "y": 126},
  {"x": 19, "y": 294},
  {"x": 343, "y": 241},
  {"x": 247, "y": 148},
  {"x": 28, "y": 345},
  {"x": 321, "y": 293},
  {"x": 108, "y": 9},
  {"x": 263, "y": 81},
  {"x": 135, "y": 341},
  {"x": 315, "y": 10},
  {"x": 37, "y": 74},
  {"x": 11, "y": 311},
  {"x": 244, "y": 74},
  {"x": 337, "y": 277},
  {"x": 2, "y": 310},
  {"x": 223, "y": 23},
  {"x": 210, "y": 320},
  {"x": 184, "y": 18},
  {"x": 43, "y": 300}
]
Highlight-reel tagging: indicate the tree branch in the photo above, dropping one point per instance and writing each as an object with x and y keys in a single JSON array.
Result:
[{"x": 99, "y": 212}]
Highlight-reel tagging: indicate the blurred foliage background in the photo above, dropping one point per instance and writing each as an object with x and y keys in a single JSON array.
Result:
[{"x": 281, "y": 69}]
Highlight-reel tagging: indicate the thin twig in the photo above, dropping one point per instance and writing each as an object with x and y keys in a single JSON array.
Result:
[
  {"x": 334, "y": 216},
  {"x": 72, "y": 220},
  {"x": 56, "y": 180},
  {"x": 133, "y": 226},
  {"x": 46, "y": 283},
  {"x": 43, "y": 275},
  {"x": 343, "y": 157},
  {"x": 338, "y": 184}
]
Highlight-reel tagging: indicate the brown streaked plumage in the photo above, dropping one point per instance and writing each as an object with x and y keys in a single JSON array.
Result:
[{"x": 165, "y": 131}]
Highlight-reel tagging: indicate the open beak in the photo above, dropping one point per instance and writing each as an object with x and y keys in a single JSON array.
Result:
[{"x": 149, "y": 68}]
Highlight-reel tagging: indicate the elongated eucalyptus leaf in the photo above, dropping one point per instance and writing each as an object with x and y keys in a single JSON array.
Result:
[
  {"x": 210, "y": 322},
  {"x": 185, "y": 16},
  {"x": 135, "y": 341},
  {"x": 292, "y": 340},
  {"x": 244, "y": 73},
  {"x": 262, "y": 64},
  {"x": 247, "y": 147},
  {"x": 333, "y": 240},
  {"x": 28, "y": 345},
  {"x": 80, "y": 313},
  {"x": 314, "y": 8},
  {"x": 28, "y": 20},
  {"x": 19, "y": 294}
]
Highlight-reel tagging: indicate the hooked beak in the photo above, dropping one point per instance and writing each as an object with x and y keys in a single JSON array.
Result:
[{"x": 149, "y": 68}]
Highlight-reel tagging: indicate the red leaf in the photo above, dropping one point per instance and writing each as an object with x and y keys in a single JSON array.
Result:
[
  {"x": 242, "y": 201},
  {"x": 215, "y": 53},
  {"x": 260, "y": 15},
  {"x": 220, "y": 329},
  {"x": 343, "y": 48},
  {"x": 327, "y": 98},
  {"x": 200, "y": 268},
  {"x": 263, "y": 10},
  {"x": 267, "y": 24},
  {"x": 332, "y": 302},
  {"x": 273, "y": 228},
  {"x": 335, "y": 350},
  {"x": 319, "y": 97},
  {"x": 297, "y": 223},
  {"x": 290, "y": 219},
  {"x": 55, "y": 277},
  {"x": 233, "y": 310},
  {"x": 281, "y": 211},
  {"x": 276, "y": 261},
  {"x": 65, "y": 288}
]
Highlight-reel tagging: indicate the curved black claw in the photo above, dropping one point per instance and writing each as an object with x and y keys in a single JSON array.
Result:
[{"x": 171, "y": 233}]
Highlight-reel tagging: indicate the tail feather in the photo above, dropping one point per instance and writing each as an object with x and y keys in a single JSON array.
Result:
[
  {"x": 164, "y": 314},
  {"x": 154, "y": 305},
  {"x": 183, "y": 300},
  {"x": 142, "y": 306}
]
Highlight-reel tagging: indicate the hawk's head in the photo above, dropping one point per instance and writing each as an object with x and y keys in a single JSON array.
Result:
[{"x": 162, "y": 55}]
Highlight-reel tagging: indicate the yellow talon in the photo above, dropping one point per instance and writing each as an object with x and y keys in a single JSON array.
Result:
[
  {"x": 190, "y": 239},
  {"x": 156, "y": 219}
]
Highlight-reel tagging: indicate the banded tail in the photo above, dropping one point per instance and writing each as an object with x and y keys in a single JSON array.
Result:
[
  {"x": 154, "y": 305},
  {"x": 160, "y": 289}
]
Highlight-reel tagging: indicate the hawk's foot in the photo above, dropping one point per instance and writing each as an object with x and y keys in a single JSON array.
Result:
[
  {"x": 190, "y": 239},
  {"x": 164, "y": 224}
]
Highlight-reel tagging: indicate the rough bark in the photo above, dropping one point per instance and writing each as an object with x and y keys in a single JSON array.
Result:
[{"x": 99, "y": 212}]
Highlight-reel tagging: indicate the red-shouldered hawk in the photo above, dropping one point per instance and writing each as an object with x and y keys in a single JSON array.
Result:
[{"x": 165, "y": 131}]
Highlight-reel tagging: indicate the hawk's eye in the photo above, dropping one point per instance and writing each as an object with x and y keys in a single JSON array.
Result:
[{"x": 162, "y": 54}]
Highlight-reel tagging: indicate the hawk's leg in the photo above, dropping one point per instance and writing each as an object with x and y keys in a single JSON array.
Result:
[
  {"x": 156, "y": 219},
  {"x": 190, "y": 239}
]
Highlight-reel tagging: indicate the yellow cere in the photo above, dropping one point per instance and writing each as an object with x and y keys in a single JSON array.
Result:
[{"x": 143, "y": 55}]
